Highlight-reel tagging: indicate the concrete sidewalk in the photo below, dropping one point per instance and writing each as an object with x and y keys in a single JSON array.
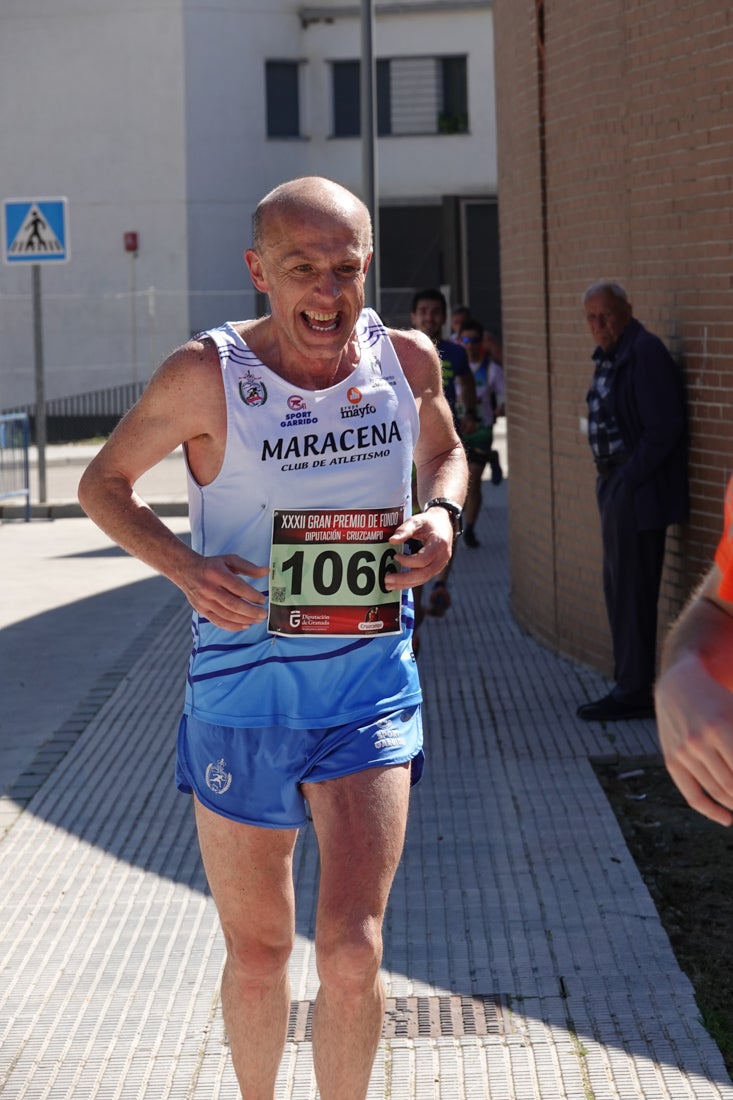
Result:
[
  {"x": 164, "y": 486},
  {"x": 524, "y": 957}
]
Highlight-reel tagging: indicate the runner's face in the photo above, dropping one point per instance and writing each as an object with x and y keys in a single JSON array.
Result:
[
  {"x": 428, "y": 317},
  {"x": 313, "y": 269}
]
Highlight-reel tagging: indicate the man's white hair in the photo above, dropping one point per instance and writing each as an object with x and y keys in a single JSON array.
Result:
[{"x": 605, "y": 286}]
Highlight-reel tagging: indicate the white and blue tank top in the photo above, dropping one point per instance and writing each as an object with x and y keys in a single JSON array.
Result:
[{"x": 348, "y": 446}]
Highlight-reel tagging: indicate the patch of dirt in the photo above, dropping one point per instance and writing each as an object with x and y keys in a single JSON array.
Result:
[{"x": 686, "y": 862}]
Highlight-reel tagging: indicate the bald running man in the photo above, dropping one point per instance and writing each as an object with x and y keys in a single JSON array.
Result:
[{"x": 299, "y": 430}]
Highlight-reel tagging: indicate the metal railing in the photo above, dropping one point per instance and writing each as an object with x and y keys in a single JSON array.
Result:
[
  {"x": 14, "y": 462},
  {"x": 84, "y": 415}
]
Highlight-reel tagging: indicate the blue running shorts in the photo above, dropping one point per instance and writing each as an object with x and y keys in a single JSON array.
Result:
[{"x": 254, "y": 774}]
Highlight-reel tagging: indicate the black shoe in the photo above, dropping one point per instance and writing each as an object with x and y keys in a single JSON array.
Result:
[
  {"x": 612, "y": 709},
  {"x": 496, "y": 471},
  {"x": 470, "y": 540}
]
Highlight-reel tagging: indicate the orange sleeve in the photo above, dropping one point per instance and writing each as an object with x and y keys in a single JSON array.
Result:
[{"x": 724, "y": 553}]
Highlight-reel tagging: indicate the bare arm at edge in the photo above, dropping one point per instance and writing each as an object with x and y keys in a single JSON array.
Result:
[{"x": 694, "y": 702}]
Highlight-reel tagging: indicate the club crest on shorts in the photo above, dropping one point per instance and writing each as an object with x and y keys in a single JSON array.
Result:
[{"x": 218, "y": 778}]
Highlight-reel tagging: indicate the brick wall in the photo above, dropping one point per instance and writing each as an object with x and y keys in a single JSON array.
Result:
[{"x": 626, "y": 173}]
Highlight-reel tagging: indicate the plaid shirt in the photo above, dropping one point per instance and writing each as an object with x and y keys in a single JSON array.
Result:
[{"x": 603, "y": 431}]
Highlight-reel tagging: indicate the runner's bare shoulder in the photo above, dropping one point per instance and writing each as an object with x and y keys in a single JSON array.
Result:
[
  {"x": 191, "y": 371},
  {"x": 418, "y": 358},
  {"x": 185, "y": 396}
]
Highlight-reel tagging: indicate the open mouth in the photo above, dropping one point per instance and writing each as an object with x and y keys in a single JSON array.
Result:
[{"x": 321, "y": 322}]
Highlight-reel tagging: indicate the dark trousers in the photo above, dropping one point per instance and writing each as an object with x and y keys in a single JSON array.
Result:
[{"x": 632, "y": 575}]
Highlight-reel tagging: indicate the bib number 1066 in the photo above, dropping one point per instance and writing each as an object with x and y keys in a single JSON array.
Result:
[
  {"x": 362, "y": 573},
  {"x": 328, "y": 572}
]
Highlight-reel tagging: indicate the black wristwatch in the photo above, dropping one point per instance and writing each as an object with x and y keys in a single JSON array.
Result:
[{"x": 454, "y": 511}]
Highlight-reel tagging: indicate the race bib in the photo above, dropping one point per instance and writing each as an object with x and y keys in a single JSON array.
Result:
[{"x": 327, "y": 572}]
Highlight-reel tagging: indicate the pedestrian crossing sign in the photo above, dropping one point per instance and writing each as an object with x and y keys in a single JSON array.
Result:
[{"x": 34, "y": 231}]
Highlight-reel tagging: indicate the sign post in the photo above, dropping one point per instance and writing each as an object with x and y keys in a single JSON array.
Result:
[
  {"x": 34, "y": 232},
  {"x": 41, "y": 433}
]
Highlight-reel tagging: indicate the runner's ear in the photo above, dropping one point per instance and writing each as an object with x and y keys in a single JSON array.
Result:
[{"x": 257, "y": 275}]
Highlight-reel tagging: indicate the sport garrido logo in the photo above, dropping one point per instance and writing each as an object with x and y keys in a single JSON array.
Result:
[{"x": 299, "y": 413}]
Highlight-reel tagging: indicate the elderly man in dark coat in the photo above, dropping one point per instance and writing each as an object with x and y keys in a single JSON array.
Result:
[{"x": 638, "y": 437}]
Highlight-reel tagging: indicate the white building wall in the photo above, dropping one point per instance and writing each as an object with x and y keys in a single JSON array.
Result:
[
  {"x": 231, "y": 162},
  {"x": 91, "y": 107},
  {"x": 411, "y": 168},
  {"x": 153, "y": 118}
]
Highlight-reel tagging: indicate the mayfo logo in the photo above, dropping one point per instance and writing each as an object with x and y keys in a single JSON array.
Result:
[
  {"x": 252, "y": 390},
  {"x": 299, "y": 413},
  {"x": 355, "y": 407}
]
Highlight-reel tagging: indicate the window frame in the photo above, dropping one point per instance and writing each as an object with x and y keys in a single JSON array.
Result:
[
  {"x": 286, "y": 110},
  {"x": 451, "y": 118}
]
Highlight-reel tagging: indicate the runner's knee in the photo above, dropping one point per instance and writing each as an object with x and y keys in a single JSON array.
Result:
[
  {"x": 258, "y": 956},
  {"x": 350, "y": 960}
]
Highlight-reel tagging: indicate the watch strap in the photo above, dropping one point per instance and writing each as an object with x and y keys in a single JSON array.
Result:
[{"x": 454, "y": 510}]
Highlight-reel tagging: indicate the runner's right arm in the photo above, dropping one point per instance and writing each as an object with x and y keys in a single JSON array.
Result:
[{"x": 182, "y": 404}]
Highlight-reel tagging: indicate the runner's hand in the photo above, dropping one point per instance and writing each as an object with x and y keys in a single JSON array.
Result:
[
  {"x": 216, "y": 590},
  {"x": 434, "y": 530}
]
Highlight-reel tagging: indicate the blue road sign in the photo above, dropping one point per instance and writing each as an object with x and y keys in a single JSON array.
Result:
[{"x": 34, "y": 231}]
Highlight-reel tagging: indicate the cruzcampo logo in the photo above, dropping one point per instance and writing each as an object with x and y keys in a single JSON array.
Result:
[{"x": 252, "y": 390}]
